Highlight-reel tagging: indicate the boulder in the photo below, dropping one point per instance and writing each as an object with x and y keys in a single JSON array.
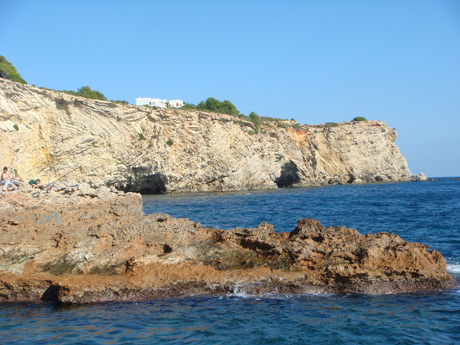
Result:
[{"x": 419, "y": 177}]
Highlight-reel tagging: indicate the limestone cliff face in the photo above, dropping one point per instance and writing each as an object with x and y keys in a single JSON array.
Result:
[{"x": 157, "y": 150}]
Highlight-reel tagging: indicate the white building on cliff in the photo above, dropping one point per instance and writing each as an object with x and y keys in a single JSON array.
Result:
[{"x": 159, "y": 103}]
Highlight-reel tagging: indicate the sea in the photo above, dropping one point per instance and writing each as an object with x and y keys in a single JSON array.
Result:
[{"x": 427, "y": 212}]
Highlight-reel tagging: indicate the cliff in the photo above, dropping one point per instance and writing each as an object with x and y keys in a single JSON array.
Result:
[
  {"x": 156, "y": 150},
  {"x": 83, "y": 248}
]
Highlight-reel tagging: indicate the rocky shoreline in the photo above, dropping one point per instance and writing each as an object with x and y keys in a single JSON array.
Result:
[{"x": 97, "y": 245}]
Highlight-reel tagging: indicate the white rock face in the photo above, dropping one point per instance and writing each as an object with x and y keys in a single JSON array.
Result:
[
  {"x": 170, "y": 150},
  {"x": 419, "y": 177}
]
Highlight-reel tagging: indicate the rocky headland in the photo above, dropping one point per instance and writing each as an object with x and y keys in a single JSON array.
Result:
[
  {"x": 93, "y": 242},
  {"x": 141, "y": 149},
  {"x": 97, "y": 245}
]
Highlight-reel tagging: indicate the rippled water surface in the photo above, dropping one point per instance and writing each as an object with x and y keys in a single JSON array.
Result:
[{"x": 424, "y": 212}]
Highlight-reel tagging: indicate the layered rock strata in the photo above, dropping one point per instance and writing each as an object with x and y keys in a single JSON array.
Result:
[
  {"x": 157, "y": 151},
  {"x": 91, "y": 248}
]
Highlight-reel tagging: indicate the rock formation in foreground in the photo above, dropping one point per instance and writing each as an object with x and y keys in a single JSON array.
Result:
[
  {"x": 100, "y": 247},
  {"x": 149, "y": 150}
]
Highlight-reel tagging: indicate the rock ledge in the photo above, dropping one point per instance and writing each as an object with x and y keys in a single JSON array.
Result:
[{"x": 81, "y": 249}]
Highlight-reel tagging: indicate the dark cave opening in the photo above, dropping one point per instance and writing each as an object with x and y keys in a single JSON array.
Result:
[
  {"x": 289, "y": 175},
  {"x": 148, "y": 184}
]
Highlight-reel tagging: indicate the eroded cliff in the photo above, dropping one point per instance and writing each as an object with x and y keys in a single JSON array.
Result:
[{"x": 156, "y": 150}]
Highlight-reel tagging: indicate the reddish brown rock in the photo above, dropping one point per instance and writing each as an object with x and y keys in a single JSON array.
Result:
[{"x": 76, "y": 249}]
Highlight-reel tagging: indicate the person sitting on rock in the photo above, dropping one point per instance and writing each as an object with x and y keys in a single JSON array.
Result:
[
  {"x": 34, "y": 183},
  {"x": 6, "y": 179}
]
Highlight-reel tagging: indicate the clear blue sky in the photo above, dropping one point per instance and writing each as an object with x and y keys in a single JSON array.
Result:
[{"x": 315, "y": 61}]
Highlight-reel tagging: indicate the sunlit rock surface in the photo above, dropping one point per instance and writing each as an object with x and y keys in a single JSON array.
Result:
[
  {"x": 149, "y": 150},
  {"x": 98, "y": 246}
]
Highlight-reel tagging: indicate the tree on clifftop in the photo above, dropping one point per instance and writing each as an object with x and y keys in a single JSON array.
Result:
[
  {"x": 212, "y": 104},
  {"x": 87, "y": 92},
  {"x": 8, "y": 69}
]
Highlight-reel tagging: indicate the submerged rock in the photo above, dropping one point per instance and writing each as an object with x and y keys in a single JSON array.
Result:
[{"x": 88, "y": 248}]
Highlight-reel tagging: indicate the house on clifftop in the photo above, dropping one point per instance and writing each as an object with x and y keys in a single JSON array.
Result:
[{"x": 159, "y": 103}]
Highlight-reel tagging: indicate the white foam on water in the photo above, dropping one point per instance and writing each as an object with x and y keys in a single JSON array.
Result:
[
  {"x": 275, "y": 296},
  {"x": 451, "y": 268},
  {"x": 247, "y": 291},
  {"x": 240, "y": 291}
]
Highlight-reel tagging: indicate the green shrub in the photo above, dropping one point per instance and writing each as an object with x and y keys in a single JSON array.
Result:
[
  {"x": 266, "y": 118},
  {"x": 141, "y": 136},
  {"x": 119, "y": 101},
  {"x": 10, "y": 71},
  {"x": 170, "y": 142},
  {"x": 212, "y": 104},
  {"x": 359, "y": 118},
  {"x": 281, "y": 125},
  {"x": 188, "y": 106},
  {"x": 239, "y": 122},
  {"x": 70, "y": 92},
  {"x": 15, "y": 126},
  {"x": 331, "y": 124},
  {"x": 255, "y": 119},
  {"x": 87, "y": 92}
]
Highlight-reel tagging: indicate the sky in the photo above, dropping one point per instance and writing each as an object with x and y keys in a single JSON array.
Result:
[{"x": 314, "y": 61}]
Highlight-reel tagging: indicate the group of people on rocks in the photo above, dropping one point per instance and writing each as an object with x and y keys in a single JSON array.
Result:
[{"x": 7, "y": 180}]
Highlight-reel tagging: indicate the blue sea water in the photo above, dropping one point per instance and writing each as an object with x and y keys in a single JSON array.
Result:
[{"x": 426, "y": 212}]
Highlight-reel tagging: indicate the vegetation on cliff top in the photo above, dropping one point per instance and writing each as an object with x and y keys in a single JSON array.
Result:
[
  {"x": 255, "y": 119},
  {"x": 87, "y": 92},
  {"x": 226, "y": 107},
  {"x": 10, "y": 71},
  {"x": 212, "y": 104}
]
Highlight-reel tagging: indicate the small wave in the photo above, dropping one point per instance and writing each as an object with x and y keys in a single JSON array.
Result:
[
  {"x": 451, "y": 268},
  {"x": 276, "y": 296},
  {"x": 248, "y": 291}
]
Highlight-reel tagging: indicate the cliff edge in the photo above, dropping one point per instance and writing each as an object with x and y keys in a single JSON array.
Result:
[{"x": 168, "y": 150}]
